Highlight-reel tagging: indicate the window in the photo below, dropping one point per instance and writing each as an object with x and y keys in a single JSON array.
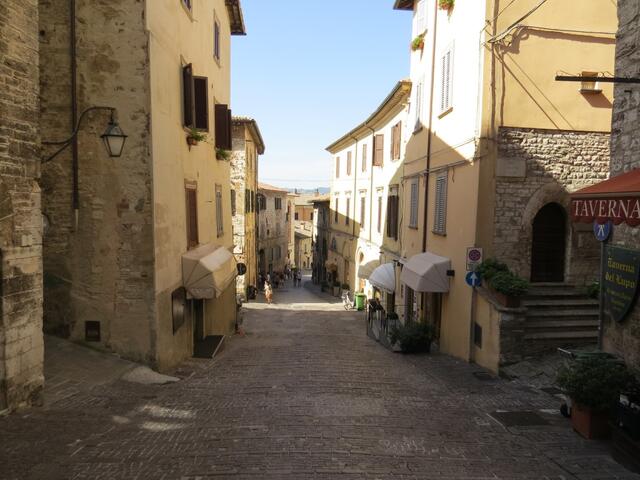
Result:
[
  {"x": 395, "y": 141},
  {"x": 378, "y": 150},
  {"x": 337, "y": 167},
  {"x": 311, "y": 216},
  {"x": 296, "y": 216},
  {"x": 233, "y": 202},
  {"x": 247, "y": 201},
  {"x": 219, "y": 217},
  {"x": 253, "y": 201},
  {"x": 188, "y": 105},
  {"x": 417, "y": 110},
  {"x": 348, "y": 212},
  {"x": 348, "y": 163},
  {"x": 420, "y": 17},
  {"x": 335, "y": 213},
  {"x": 278, "y": 203},
  {"x": 216, "y": 39},
  {"x": 278, "y": 229},
  {"x": 223, "y": 126},
  {"x": 191, "y": 201},
  {"x": 278, "y": 252},
  {"x": 440, "y": 220},
  {"x": 392, "y": 215},
  {"x": 446, "y": 87},
  {"x": 379, "y": 226},
  {"x": 413, "y": 205},
  {"x": 364, "y": 157},
  {"x": 363, "y": 206},
  {"x": 262, "y": 203},
  {"x": 201, "y": 103}
]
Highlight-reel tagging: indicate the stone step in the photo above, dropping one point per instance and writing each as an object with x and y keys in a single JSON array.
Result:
[
  {"x": 547, "y": 314},
  {"x": 551, "y": 325},
  {"x": 560, "y": 302},
  {"x": 568, "y": 335}
]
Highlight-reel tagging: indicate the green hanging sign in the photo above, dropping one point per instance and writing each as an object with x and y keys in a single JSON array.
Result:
[{"x": 621, "y": 276}]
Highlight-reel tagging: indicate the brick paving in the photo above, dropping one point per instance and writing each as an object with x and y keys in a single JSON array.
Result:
[{"x": 304, "y": 395}]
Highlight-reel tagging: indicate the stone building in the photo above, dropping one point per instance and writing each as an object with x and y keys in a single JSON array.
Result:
[
  {"x": 247, "y": 145},
  {"x": 21, "y": 341},
  {"x": 274, "y": 229},
  {"x": 321, "y": 237},
  {"x": 303, "y": 245},
  {"x": 617, "y": 200},
  {"x": 137, "y": 255},
  {"x": 492, "y": 157}
]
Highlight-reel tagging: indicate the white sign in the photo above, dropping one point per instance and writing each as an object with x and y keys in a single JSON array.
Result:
[{"x": 474, "y": 258}]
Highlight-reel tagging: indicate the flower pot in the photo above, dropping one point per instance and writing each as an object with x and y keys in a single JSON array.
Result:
[
  {"x": 192, "y": 141},
  {"x": 502, "y": 299},
  {"x": 589, "y": 423}
]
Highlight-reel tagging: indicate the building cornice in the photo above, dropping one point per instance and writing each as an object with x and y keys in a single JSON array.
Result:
[
  {"x": 403, "y": 5},
  {"x": 397, "y": 97},
  {"x": 236, "y": 19}
]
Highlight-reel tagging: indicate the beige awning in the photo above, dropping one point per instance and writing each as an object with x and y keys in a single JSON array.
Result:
[
  {"x": 426, "y": 272},
  {"x": 208, "y": 270},
  {"x": 366, "y": 269},
  {"x": 384, "y": 277}
]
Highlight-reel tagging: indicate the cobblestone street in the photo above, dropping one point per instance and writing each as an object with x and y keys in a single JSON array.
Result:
[{"x": 305, "y": 394}]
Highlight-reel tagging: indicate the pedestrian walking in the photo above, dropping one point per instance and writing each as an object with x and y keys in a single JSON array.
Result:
[
  {"x": 299, "y": 277},
  {"x": 268, "y": 292}
]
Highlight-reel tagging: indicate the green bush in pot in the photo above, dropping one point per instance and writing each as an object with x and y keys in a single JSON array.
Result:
[{"x": 413, "y": 337}]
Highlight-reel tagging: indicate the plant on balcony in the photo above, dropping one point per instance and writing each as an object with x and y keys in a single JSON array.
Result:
[
  {"x": 506, "y": 286},
  {"x": 593, "y": 383},
  {"x": 446, "y": 4},
  {"x": 418, "y": 42},
  {"x": 195, "y": 136},
  {"x": 222, "y": 154},
  {"x": 413, "y": 337}
]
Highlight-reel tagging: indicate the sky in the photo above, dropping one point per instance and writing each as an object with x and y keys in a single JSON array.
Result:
[{"x": 310, "y": 71}]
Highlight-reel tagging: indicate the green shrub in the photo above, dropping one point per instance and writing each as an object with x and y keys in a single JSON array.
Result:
[
  {"x": 594, "y": 381},
  {"x": 509, "y": 284},
  {"x": 413, "y": 337},
  {"x": 490, "y": 267},
  {"x": 593, "y": 290}
]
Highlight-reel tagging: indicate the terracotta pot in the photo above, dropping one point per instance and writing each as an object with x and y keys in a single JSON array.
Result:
[
  {"x": 589, "y": 423},
  {"x": 192, "y": 141}
]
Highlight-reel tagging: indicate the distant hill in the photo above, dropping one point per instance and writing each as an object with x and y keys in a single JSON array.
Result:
[{"x": 310, "y": 191}]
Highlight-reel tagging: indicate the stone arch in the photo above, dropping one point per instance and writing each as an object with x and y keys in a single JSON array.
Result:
[{"x": 548, "y": 193}]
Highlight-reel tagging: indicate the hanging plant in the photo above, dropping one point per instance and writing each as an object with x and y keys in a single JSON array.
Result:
[
  {"x": 195, "y": 136},
  {"x": 418, "y": 42},
  {"x": 222, "y": 154},
  {"x": 446, "y": 4}
]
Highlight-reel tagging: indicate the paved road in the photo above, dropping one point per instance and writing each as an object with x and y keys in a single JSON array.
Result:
[{"x": 304, "y": 395}]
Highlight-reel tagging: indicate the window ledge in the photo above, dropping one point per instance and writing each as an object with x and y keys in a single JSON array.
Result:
[
  {"x": 445, "y": 112},
  {"x": 441, "y": 234},
  {"x": 413, "y": 227}
]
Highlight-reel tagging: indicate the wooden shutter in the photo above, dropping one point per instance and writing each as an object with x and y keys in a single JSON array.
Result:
[
  {"x": 188, "y": 106},
  {"x": 363, "y": 206},
  {"x": 348, "y": 163},
  {"x": 378, "y": 150},
  {"x": 364, "y": 157},
  {"x": 392, "y": 216},
  {"x": 233, "y": 202},
  {"x": 413, "y": 217},
  {"x": 395, "y": 150},
  {"x": 348, "y": 212},
  {"x": 337, "y": 167},
  {"x": 440, "y": 220},
  {"x": 223, "y": 126},
  {"x": 201, "y": 102},
  {"x": 192, "y": 216},
  {"x": 379, "y": 213},
  {"x": 446, "y": 65}
]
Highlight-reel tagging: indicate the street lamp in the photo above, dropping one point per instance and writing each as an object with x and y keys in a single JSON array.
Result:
[{"x": 113, "y": 137}]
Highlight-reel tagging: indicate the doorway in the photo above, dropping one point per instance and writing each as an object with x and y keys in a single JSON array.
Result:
[{"x": 548, "y": 245}]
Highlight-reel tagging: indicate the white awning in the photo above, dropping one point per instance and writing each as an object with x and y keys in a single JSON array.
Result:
[
  {"x": 208, "y": 270},
  {"x": 365, "y": 269},
  {"x": 384, "y": 277},
  {"x": 426, "y": 272}
]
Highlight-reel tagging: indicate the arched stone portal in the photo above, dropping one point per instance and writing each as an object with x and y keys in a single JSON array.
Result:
[{"x": 548, "y": 244}]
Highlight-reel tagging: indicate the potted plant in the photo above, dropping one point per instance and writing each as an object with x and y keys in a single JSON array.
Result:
[
  {"x": 446, "y": 4},
  {"x": 413, "y": 337},
  {"x": 418, "y": 43},
  {"x": 195, "y": 136},
  {"x": 506, "y": 287},
  {"x": 593, "y": 383},
  {"x": 222, "y": 154}
]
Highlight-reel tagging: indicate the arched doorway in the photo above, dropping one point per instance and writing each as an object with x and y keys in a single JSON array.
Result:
[{"x": 548, "y": 245}]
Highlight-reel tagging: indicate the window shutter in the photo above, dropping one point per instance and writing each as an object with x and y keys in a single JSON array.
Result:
[
  {"x": 440, "y": 220},
  {"x": 364, "y": 157},
  {"x": 223, "y": 126},
  {"x": 348, "y": 212},
  {"x": 187, "y": 95},
  {"x": 379, "y": 214},
  {"x": 337, "y": 167},
  {"x": 201, "y": 102},
  {"x": 378, "y": 153},
  {"x": 413, "y": 217},
  {"x": 192, "y": 217},
  {"x": 446, "y": 92},
  {"x": 233, "y": 202},
  {"x": 348, "y": 163},
  {"x": 363, "y": 203}
]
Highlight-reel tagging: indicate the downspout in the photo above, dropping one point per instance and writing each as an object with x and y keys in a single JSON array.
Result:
[
  {"x": 430, "y": 125},
  {"x": 373, "y": 141},
  {"x": 354, "y": 165},
  {"x": 74, "y": 111}
]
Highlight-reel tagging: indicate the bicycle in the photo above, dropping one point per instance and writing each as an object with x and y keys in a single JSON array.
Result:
[{"x": 348, "y": 301}]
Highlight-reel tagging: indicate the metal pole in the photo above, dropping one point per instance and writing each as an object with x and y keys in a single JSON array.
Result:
[{"x": 603, "y": 251}]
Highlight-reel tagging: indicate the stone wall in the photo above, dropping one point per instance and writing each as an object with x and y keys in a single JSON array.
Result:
[
  {"x": 624, "y": 338},
  {"x": 536, "y": 167},
  {"x": 238, "y": 184},
  {"x": 99, "y": 260},
  {"x": 21, "y": 341}
]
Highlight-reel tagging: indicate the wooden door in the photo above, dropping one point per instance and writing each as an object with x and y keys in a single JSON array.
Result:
[{"x": 549, "y": 244}]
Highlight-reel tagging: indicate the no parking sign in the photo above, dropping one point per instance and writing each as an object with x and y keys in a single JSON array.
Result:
[{"x": 474, "y": 258}]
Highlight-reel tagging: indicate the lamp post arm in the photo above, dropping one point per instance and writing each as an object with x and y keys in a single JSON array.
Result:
[{"x": 66, "y": 142}]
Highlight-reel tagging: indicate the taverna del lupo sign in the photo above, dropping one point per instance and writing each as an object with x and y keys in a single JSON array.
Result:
[{"x": 621, "y": 275}]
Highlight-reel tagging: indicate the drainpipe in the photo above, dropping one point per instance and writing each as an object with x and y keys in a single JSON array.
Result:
[
  {"x": 373, "y": 139},
  {"x": 354, "y": 165},
  {"x": 74, "y": 110},
  {"x": 430, "y": 125}
]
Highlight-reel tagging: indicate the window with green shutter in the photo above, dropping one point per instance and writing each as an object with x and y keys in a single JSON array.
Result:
[
  {"x": 413, "y": 205},
  {"x": 440, "y": 220}
]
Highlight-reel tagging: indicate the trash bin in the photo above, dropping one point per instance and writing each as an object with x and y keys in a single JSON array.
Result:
[{"x": 360, "y": 299}]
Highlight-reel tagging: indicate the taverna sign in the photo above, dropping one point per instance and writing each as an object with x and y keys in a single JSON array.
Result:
[{"x": 617, "y": 210}]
